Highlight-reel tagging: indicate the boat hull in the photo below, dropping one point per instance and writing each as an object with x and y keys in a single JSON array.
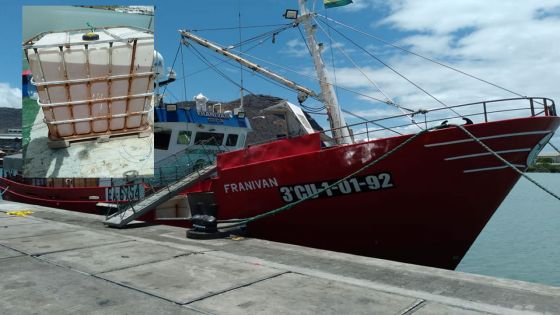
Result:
[
  {"x": 80, "y": 199},
  {"x": 425, "y": 204}
]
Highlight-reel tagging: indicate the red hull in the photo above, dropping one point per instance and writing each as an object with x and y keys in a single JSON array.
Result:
[
  {"x": 441, "y": 192},
  {"x": 82, "y": 199},
  {"x": 440, "y": 195}
]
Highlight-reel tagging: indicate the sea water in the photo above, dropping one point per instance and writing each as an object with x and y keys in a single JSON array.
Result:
[{"x": 522, "y": 240}]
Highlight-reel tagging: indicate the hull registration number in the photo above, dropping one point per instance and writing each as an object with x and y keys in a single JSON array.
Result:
[
  {"x": 365, "y": 183},
  {"x": 123, "y": 193}
]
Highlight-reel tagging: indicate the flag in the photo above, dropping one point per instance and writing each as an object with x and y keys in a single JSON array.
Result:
[{"x": 335, "y": 3}]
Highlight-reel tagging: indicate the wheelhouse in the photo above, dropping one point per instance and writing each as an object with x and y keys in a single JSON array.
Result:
[{"x": 195, "y": 131}]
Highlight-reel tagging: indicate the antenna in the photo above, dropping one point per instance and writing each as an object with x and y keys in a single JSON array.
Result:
[{"x": 240, "y": 49}]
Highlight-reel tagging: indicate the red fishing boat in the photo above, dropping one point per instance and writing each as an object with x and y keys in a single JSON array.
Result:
[
  {"x": 418, "y": 198},
  {"x": 425, "y": 203}
]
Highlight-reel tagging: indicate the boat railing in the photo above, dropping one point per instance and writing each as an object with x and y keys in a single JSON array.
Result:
[
  {"x": 477, "y": 112},
  {"x": 180, "y": 165},
  {"x": 185, "y": 162},
  {"x": 165, "y": 184}
]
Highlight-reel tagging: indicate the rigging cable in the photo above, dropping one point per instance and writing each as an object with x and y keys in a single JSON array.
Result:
[
  {"x": 369, "y": 164},
  {"x": 423, "y": 57},
  {"x": 315, "y": 78},
  {"x": 272, "y": 33},
  {"x": 183, "y": 70},
  {"x": 315, "y": 110},
  {"x": 332, "y": 60},
  {"x": 231, "y": 223},
  {"x": 228, "y": 62},
  {"x": 370, "y": 121},
  {"x": 240, "y": 65},
  {"x": 173, "y": 65},
  {"x": 555, "y": 148},
  {"x": 221, "y": 61},
  {"x": 507, "y": 163},
  {"x": 304, "y": 41},
  {"x": 388, "y": 101},
  {"x": 263, "y": 38},
  {"x": 396, "y": 72},
  {"x": 233, "y": 27},
  {"x": 174, "y": 96},
  {"x": 308, "y": 108},
  {"x": 201, "y": 57}
]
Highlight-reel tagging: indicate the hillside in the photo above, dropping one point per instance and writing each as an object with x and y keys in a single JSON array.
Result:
[
  {"x": 9, "y": 118},
  {"x": 269, "y": 127},
  {"x": 264, "y": 128}
]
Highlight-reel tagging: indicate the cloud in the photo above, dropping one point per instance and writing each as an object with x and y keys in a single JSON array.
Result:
[
  {"x": 9, "y": 96},
  {"x": 295, "y": 48},
  {"x": 507, "y": 43},
  {"x": 373, "y": 112},
  {"x": 511, "y": 44},
  {"x": 429, "y": 44},
  {"x": 439, "y": 16}
]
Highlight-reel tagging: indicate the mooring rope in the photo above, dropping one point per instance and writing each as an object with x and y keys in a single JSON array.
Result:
[
  {"x": 5, "y": 190},
  {"x": 555, "y": 148},
  {"x": 505, "y": 161},
  {"x": 241, "y": 222}
]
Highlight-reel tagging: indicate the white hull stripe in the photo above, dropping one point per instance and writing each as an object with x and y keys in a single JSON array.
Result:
[
  {"x": 485, "y": 153},
  {"x": 492, "y": 168},
  {"x": 505, "y": 135}
]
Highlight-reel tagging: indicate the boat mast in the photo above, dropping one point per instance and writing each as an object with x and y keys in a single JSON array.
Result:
[{"x": 328, "y": 96}]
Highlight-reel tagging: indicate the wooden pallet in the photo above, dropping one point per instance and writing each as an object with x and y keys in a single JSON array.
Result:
[{"x": 99, "y": 137}]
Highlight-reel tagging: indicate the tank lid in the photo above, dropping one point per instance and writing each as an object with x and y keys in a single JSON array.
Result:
[
  {"x": 108, "y": 34},
  {"x": 200, "y": 98}
]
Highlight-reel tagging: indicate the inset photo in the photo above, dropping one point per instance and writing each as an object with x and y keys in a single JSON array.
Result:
[{"x": 88, "y": 91}]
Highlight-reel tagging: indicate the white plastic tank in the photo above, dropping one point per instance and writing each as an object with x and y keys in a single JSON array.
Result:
[
  {"x": 159, "y": 66},
  {"x": 98, "y": 86},
  {"x": 200, "y": 101}
]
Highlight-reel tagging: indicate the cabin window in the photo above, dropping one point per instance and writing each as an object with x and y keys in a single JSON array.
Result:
[
  {"x": 39, "y": 182},
  {"x": 209, "y": 138},
  {"x": 231, "y": 140},
  {"x": 241, "y": 140},
  {"x": 184, "y": 137},
  {"x": 162, "y": 138}
]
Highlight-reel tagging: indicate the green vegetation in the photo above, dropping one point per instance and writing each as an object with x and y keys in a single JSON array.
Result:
[
  {"x": 544, "y": 165},
  {"x": 29, "y": 112}
]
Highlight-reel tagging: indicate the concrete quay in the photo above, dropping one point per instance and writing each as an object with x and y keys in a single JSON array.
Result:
[{"x": 60, "y": 262}]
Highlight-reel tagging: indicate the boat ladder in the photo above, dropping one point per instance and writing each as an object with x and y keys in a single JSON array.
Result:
[
  {"x": 5, "y": 190},
  {"x": 134, "y": 210}
]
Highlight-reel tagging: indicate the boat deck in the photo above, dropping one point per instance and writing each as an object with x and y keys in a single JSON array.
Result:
[
  {"x": 89, "y": 158},
  {"x": 60, "y": 262}
]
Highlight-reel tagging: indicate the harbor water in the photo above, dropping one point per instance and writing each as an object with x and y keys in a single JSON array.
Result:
[{"x": 522, "y": 240}]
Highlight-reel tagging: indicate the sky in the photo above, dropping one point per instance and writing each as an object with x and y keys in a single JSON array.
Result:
[{"x": 513, "y": 44}]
